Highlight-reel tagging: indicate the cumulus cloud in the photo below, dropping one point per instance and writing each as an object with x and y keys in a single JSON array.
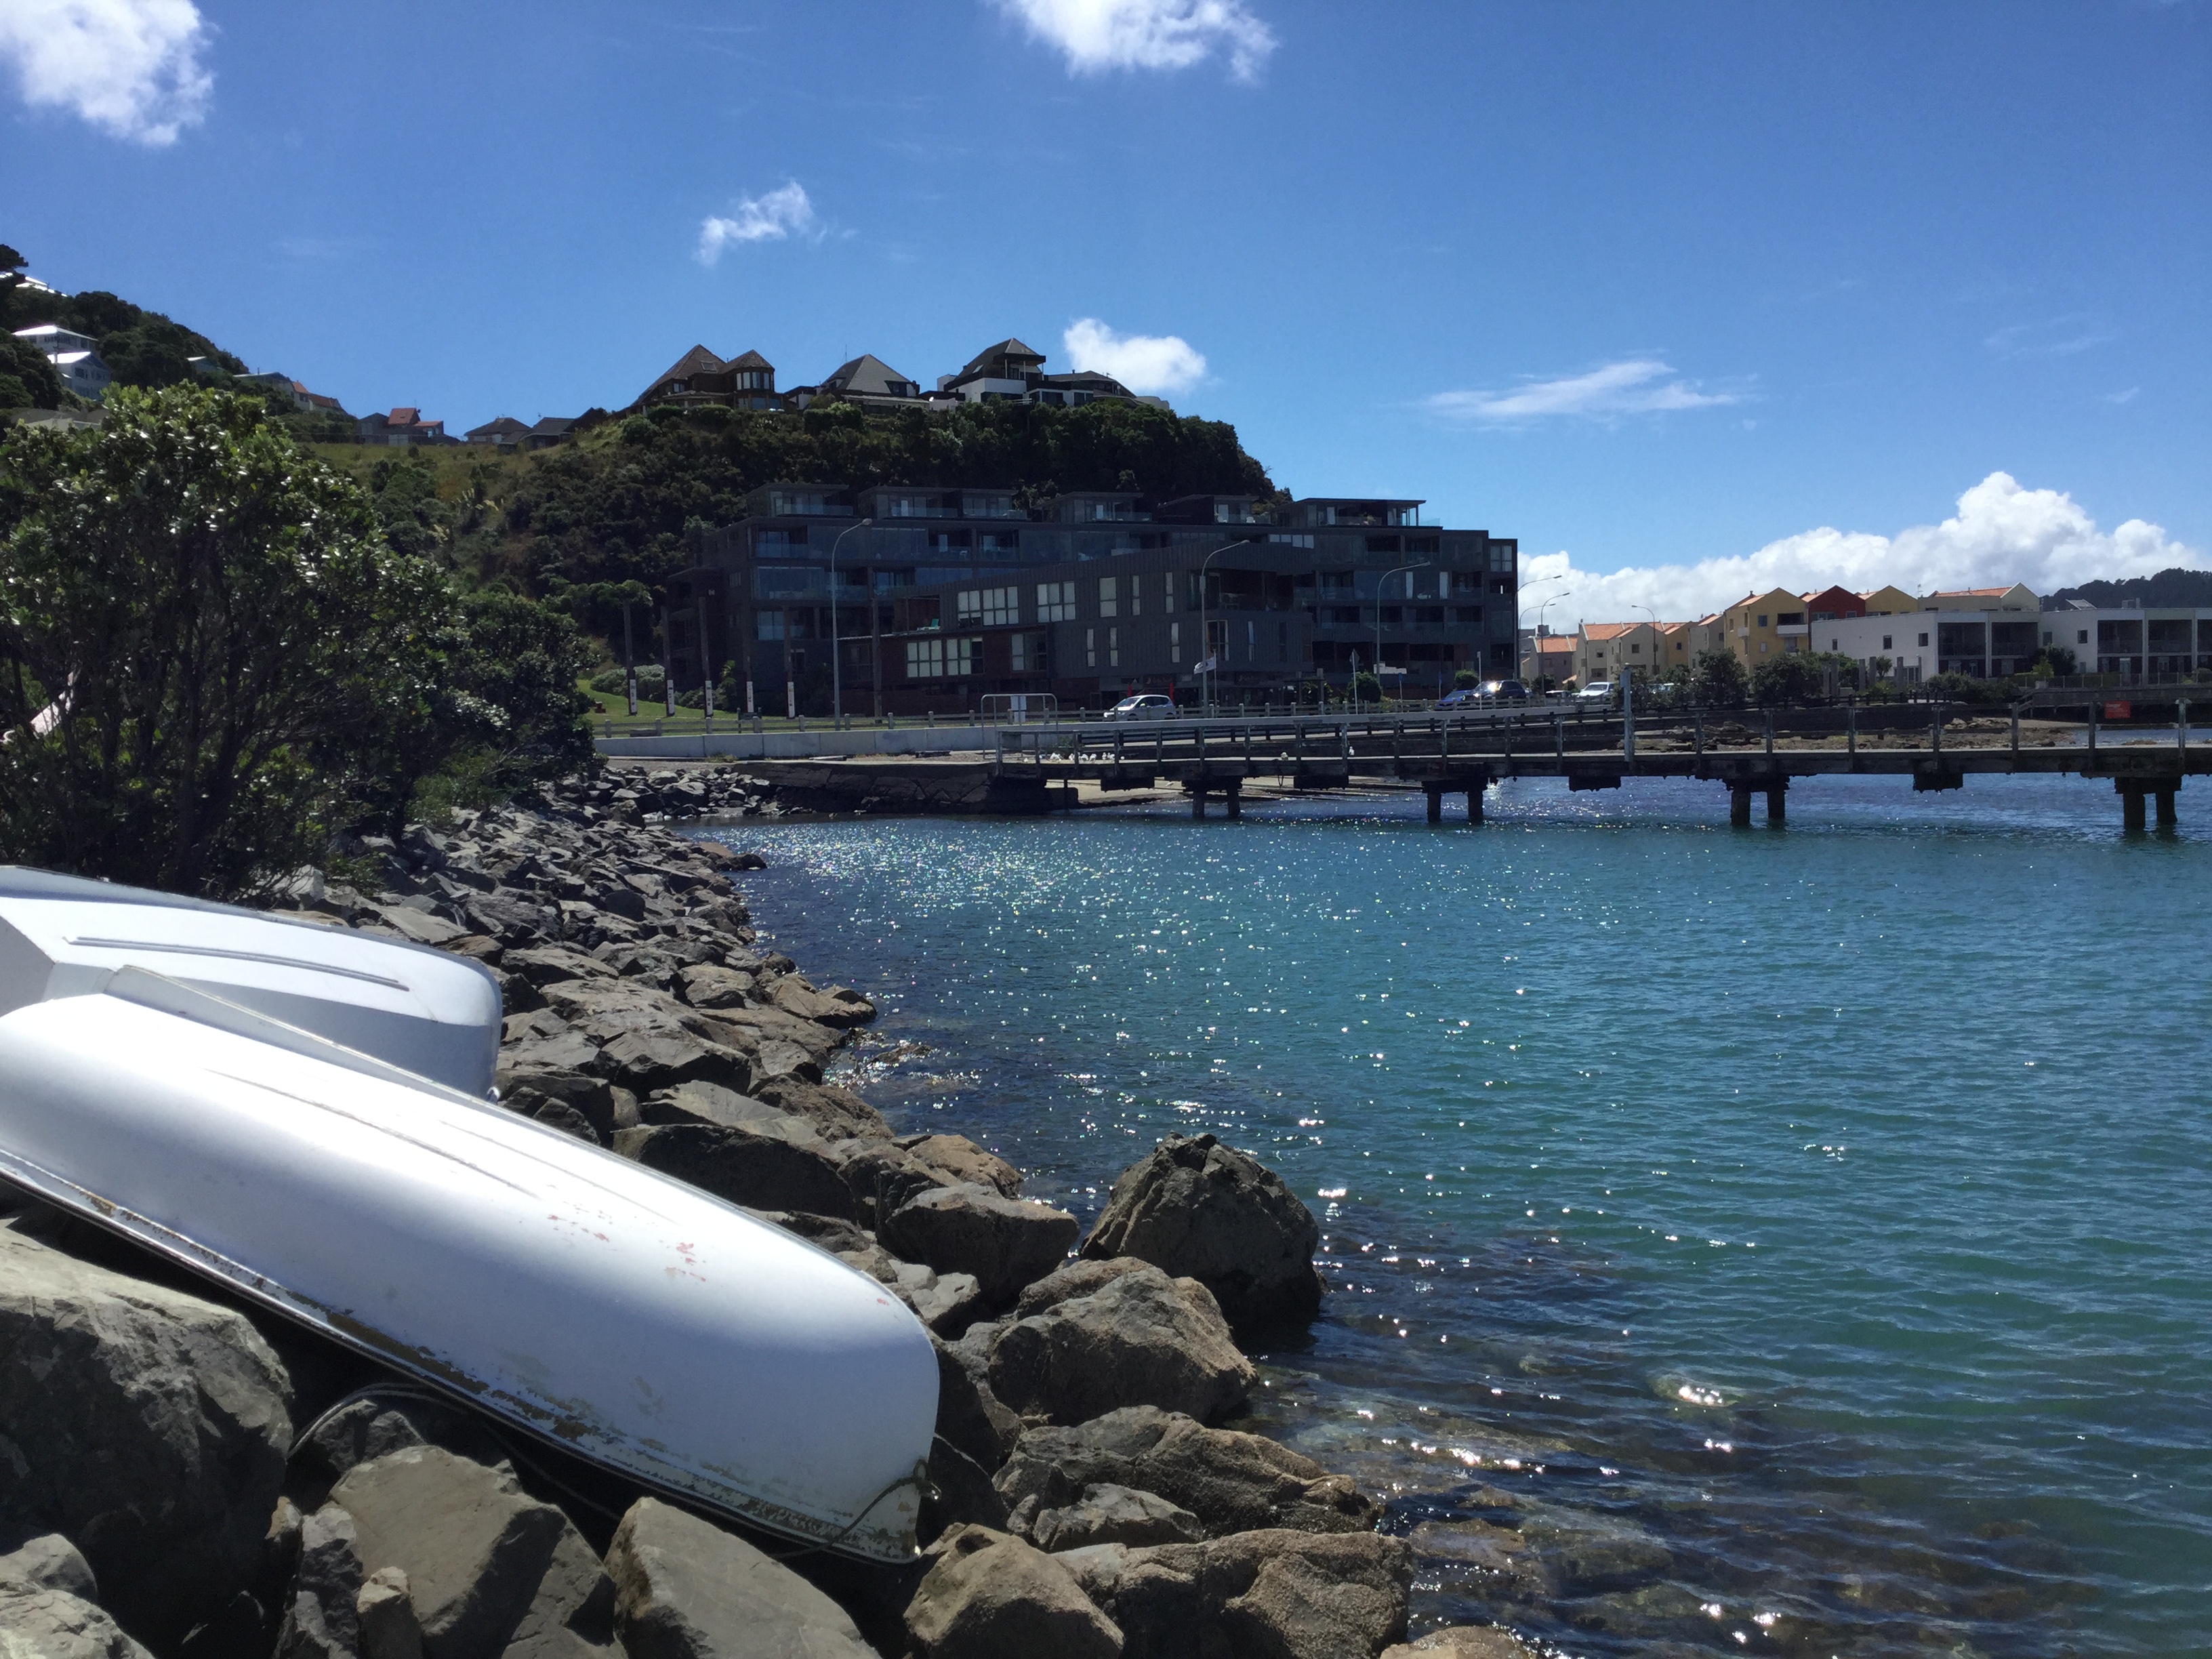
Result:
[
  {"x": 131, "y": 68},
  {"x": 1634, "y": 385},
  {"x": 1096, "y": 35},
  {"x": 1148, "y": 364},
  {"x": 782, "y": 213},
  {"x": 2002, "y": 533}
]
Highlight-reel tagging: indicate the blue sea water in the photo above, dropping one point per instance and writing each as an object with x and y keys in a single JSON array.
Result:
[{"x": 1802, "y": 1234}]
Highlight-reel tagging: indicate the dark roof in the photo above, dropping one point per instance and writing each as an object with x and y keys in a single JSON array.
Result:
[
  {"x": 751, "y": 360},
  {"x": 697, "y": 361},
  {"x": 505, "y": 425},
  {"x": 1005, "y": 349},
  {"x": 554, "y": 426},
  {"x": 869, "y": 376},
  {"x": 1090, "y": 379}
]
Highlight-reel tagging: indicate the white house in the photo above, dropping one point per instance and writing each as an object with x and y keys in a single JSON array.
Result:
[
  {"x": 2164, "y": 639},
  {"x": 73, "y": 356}
]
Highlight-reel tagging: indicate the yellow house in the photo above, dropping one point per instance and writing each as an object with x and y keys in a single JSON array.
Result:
[
  {"x": 1889, "y": 602},
  {"x": 1759, "y": 627},
  {"x": 1600, "y": 649},
  {"x": 1645, "y": 651},
  {"x": 1677, "y": 660}
]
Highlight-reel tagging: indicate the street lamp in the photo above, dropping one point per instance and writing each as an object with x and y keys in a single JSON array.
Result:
[
  {"x": 1379, "y": 589},
  {"x": 1206, "y": 634},
  {"x": 1536, "y": 639},
  {"x": 836, "y": 650}
]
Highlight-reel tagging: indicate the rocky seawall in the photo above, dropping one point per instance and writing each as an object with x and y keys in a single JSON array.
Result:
[{"x": 184, "y": 1476}]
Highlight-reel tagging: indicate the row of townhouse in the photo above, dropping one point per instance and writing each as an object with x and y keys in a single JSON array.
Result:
[
  {"x": 934, "y": 598},
  {"x": 1007, "y": 372},
  {"x": 1983, "y": 632}
]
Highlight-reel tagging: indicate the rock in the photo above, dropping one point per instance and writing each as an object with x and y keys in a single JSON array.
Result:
[
  {"x": 686, "y": 1589},
  {"x": 1197, "y": 1209},
  {"x": 147, "y": 1426},
  {"x": 836, "y": 1114},
  {"x": 591, "y": 1097},
  {"x": 836, "y": 1007},
  {"x": 484, "y": 1561},
  {"x": 565, "y": 1050},
  {"x": 1141, "y": 1340},
  {"x": 707, "y": 986},
  {"x": 386, "y": 1617},
  {"x": 957, "y": 1159},
  {"x": 1231, "y": 1482},
  {"x": 369, "y": 1429},
  {"x": 710, "y": 1103},
  {"x": 552, "y": 964},
  {"x": 761, "y": 1172},
  {"x": 323, "y": 1617},
  {"x": 1584, "y": 1555},
  {"x": 1284, "y": 1595},
  {"x": 559, "y": 1114},
  {"x": 1107, "y": 1514},
  {"x": 948, "y": 1304},
  {"x": 747, "y": 860},
  {"x": 420, "y": 925},
  {"x": 50, "y": 1562},
  {"x": 971, "y": 1228},
  {"x": 993, "y": 1596},
  {"x": 974, "y": 1434},
  {"x": 534, "y": 1024},
  {"x": 881, "y": 1175},
  {"x": 37, "y": 1622},
  {"x": 1074, "y": 1279},
  {"x": 1466, "y": 1642}
]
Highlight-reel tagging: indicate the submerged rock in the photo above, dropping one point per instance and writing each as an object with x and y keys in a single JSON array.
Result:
[
  {"x": 147, "y": 1426},
  {"x": 1197, "y": 1209},
  {"x": 686, "y": 1589}
]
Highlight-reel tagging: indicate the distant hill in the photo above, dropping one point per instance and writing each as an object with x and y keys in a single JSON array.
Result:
[
  {"x": 2176, "y": 586},
  {"x": 140, "y": 347}
]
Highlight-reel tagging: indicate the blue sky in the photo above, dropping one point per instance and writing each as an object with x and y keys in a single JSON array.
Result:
[{"x": 1697, "y": 295}]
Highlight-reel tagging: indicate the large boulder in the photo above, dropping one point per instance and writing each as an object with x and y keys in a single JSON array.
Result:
[
  {"x": 145, "y": 1424},
  {"x": 1197, "y": 1209},
  {"x": 833, "y": 1004},
  {"x": 1107, "y": 1514},
  {"x": 972, "y": 1228},
  {"x": 993, "y": 1596},
  {"x": 836, "y": 1114},
  {"x": 1255, "y": 1596},
  {"x": 1231, "y": 1482},
  {"x": 322, "y": 1614},
  {"x": 489, "y": 1570},
  {"x": 957, "y": 1159},
  {"x": 686, "y": 1589},
  {"x": 760, "y": 1170},
  {"x": 37, "y": 1622},
  {"x": 1140, "y": 1339}
]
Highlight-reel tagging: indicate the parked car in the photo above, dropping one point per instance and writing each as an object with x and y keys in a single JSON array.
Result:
[
  {"x": 1596, "y": 692},
  {"x": 1467, "y": 696},
  {"x": 1146, "y": 706},
  {"x": 1505, "y": 691}
]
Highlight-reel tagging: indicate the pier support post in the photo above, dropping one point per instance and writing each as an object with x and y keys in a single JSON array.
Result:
[
  {"x": 1232, "y": 798},
  {"x": 1740, "y": 805},
  {"x": 2165, "y": 812},
  {"x": 1474, "y": 799},
  {"x": 1776, "y": 792},
  {"x": 1436, "y": 794},
  {"x": 1197, "y": 802},
  {"x": 2132, "y": 804}
]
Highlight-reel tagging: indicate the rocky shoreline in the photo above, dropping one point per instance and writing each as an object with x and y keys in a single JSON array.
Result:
[{"x": 193, "y": 1477}]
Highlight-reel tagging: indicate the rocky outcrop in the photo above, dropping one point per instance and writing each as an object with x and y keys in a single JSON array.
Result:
[
  {"x": 1280, "y": 1595},
  {"x": 1139, "y": 1338},
  {"x": 772, "y": 1169},
  {"x": 993, "y": 1596},
  {"x": 146, "y": 1425},
  {"x": 1107, "y": 1514},
  {"x": 686, "y": 1589},
  {"x": 1231, "y": 1482},
  {"x": 1197, "y": 1209}
]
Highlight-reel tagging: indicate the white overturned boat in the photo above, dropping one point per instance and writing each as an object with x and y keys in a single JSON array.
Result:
[{"x": 301, "y": 1113}]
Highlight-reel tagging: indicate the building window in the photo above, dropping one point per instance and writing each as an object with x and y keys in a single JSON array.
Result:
[
  {"x": 1168, "y": 590},
  {"x": 2081, "y": 637},
  {"x": 969, "y": 610},
  {"x": 1762, "y": 620},
  {"x": 1136, "y": 595},
  {"x": 1056, "y": 601},
  {"x": 1175, "y": 642},
  {"x": 1113, "y": 647},
  {"x": 1886, "y": 644},
  {"x": 1002, "y": 606},
  {"x": 1029, "y": 653},
  {"x": 1291, "y": 541},
  {"x": 1467, "y": 614},
  {"x": 1924, "y": 639},
  {"x": 770, "y": 624},
  {"x": 963, "y": 656},
  {"x": 925, "y": 660},
  {"x": 1110, "y": 588},
  {"x": 1090, "y": 647}
]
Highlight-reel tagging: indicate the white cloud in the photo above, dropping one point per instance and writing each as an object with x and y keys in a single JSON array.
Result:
[
  {"x": 130, "y": 68},
  {"x": 1635, "y": 386},
  {"x": 2002, "y": 533},
  {"x": 1148, "y": 364},
  {"x": 2055, "y": 337},
  {"x": 782, "y": 212},
  {"x": 2128, "y": 396},
  {"x": 1096, "y": 35}
]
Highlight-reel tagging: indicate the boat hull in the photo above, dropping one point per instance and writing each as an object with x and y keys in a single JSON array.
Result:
[{"x": 626, "y": 1316}]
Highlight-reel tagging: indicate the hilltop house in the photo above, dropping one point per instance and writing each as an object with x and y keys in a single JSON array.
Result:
[
  {"x": 402, "y": 428},
  {"x": 74, "y": 357},
  {"x": 699, "y": 379},
  {"x": 506, "y": 434}
]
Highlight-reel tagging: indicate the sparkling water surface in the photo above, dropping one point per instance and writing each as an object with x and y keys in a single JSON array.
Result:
[{"x": 1801, "y": 1234}]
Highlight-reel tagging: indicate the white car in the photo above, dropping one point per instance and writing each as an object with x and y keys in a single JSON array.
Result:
[
  {"x": 1146, "y": 706},
  {"x": 1596, "y": 692}
]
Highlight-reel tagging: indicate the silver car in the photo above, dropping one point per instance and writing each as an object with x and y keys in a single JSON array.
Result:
[{"x": 1145, "y": 706}]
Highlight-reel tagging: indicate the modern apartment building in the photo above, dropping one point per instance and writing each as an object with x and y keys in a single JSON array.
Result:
[{"x": 934, "y": 598}]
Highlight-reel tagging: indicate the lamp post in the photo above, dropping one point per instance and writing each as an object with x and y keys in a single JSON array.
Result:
[
  {"x": 1379, "y": 587},
  {"x": 1653, "y": 615},
  {"x": 1205, "y": 633},
  {"x": 1537, "y": 639},
  {"x": 837, "y": 650}
]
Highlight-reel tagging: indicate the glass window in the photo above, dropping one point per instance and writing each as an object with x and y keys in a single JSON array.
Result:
[
  {"x": 970, "y": 610},
  {"x": 1762, "y": 619},
  {"x": 1108, "y": 590},
  {"x": 1056, "y": 601},
  {"x": 925, "y": 660},
  {"x": 1175, "y": 642},
  {"x": 1090, "y": 647},
  {"x": 1002, "y": 606},
  {"x": 1113, "y": 647},
  {"x": 962, "y": 656},
  {"x": 1168, "y": 590},
  {"x": 771, "y": 624},
  {"x": 1136, "y": 595},
  {"x": 1029, "y": 655}
]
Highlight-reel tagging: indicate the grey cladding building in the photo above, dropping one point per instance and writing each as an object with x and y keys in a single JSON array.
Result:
[{"x": 936, "y": 598}]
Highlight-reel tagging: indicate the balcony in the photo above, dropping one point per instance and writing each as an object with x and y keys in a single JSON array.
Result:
[{"x": 1796, "y": 629}]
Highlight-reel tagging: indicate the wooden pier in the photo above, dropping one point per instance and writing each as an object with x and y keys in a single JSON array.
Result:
[{"x": 1446, "y": 755}]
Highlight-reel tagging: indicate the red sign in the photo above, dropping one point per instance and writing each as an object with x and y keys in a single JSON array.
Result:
[{"x": 2119, "y": 711}]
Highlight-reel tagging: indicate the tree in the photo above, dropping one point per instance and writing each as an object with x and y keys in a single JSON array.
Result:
[
  {"x": 2054, "y": 660},
  {"x": 27, "y": 381},
  {"x": 1788, "y": 678},
  {"x": 1720, "y": 679},
  {"x": 206, "y": 646}
]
